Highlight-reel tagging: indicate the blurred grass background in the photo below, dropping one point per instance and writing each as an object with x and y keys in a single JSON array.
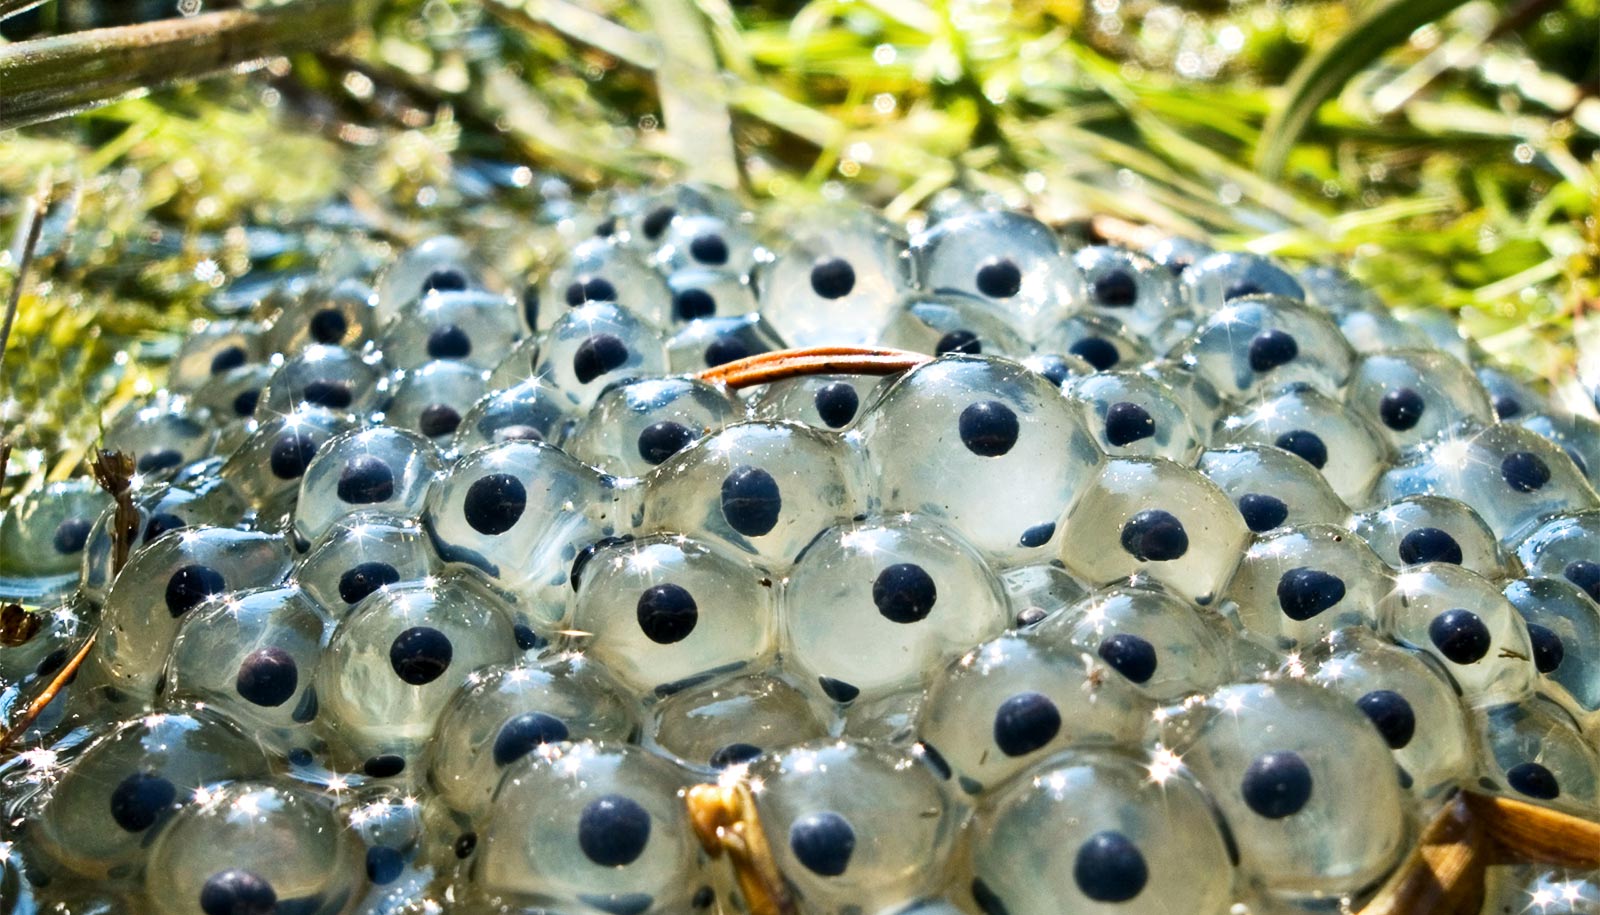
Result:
[{"x": 1444, "y": 152}]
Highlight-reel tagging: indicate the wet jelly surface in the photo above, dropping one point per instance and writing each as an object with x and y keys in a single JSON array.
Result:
[{"x": 1176, "y": 581}]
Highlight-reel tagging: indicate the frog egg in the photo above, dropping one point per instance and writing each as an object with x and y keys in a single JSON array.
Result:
[
  {"x": 1442, "y": 329},
  {"x": 1535, "y": 887},
  {"x": 1373, "y": 330},
  {"x": 519, "y": 511},
  {"x": 1297, "y": 584},
  {"x": 822, "y": 804},
  {"x": 952, "y": 324},
  {"x": 267, "y": 467},
  {"x": 344, "y": 314},
  {"x": 667, "y": 612},
  {"x": 432, "y": 399},
  {"x": 161, "y": 508},
  {"x": 872, "y": 606},
  {"x": 1178, "y": 254},
  {"x": 819, "y": 401},
  {"x": 730, "y": 722},
  {"x": 251, "y": 656},
  {"x": 1132, "y": 414},
  {"x": 1038, "y": 590},
  {"x": 1154, "y": 640},
  {"x": 1246, "y": 658},
  {"x": 520, "y": 364},
  {"x": 212, "y": 349},
  {"x": 1013, "y": 700},
  {"x": 1509, "y": 475},
  {"x": 1331, "y": 289},
  {"x": 1533, "y": 751},
  {"x": 636, "y": 425},
  {"x": 472, "y": 327},
  {"x": 323, "y": 376},
  {"x": 505, "y": 712},
  {"x": 42, "y": 539},
  {"x": 1272, "y": 488},
  {"x": 1100, "y": 341},
  {"x": 645, "y": 216},
  {"x": 1412, "y": 396},
  {"x": 699, "y": 293},
  {"x": 395, "y": 662},
  {"x": 953, "y": 202},
  {"x": 1420, "y": 529},
  {"x": 1204, "y": 405},
  {"x": 932, "y": 907},
  {"x": 1262, "y": 343},
  {"x": 1564, "y": 629},
  {"x": 185, "y": 568},
  {"x": 389, "y": 824},
  {"x": 983, "y": 444},
  {"x": 685, "y": 199},
  {"x": 1463, "y": 622},
  {"x": 17, "y": 889},
  {"x": 1413, "y": 706},
  {"x": 1561, "y": 547},
  {"x": 381, "y": 470},
  {"x": 442, "y": 263},
  {"x": 1171, "y": 334},
  {"x": 835, "y": 282},
  {"x": 1129, "y": 287},
  {"x": 1100, "y": 831},
  {"x": 261, "y": 291},
  {"x": 1512, "y": 394},
  {"x": 528, "y": 410},
  {"x": 710, "y": 342},
  {"x": 28, "y": 668},
  {"x": 765, "y": 488},
  {"x": 206, "y": 472},
  {"x": 254, "y": 847},
  {"x": 361, "y": 554},
  {"x": 1577, "y": 435},
  {"x": 1217, "y": 279},
  {"x": 706, "y": 242},
  {"x": 446, "y": 846},
  {"x": 590, "y": 827},
  {"x": 1285, "y": 762},
  {"x": 590, "y": 347},
  {"x": 1057, "y": 368},
  {"x": 1158, "y": 518},
  {"x": 97, "y": 820},
  {"x": 231, "y": 399},
  {"x": 599, "y": 271},
  {"x": 1318, "y": 430},
  {"x": 163, "y": 435},
  {"x": 1008, "y": 259},
  {"x": 889, "y": 719}
]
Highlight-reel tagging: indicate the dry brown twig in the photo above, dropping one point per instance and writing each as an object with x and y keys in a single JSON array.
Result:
[
  {"x": 113, "y": 471},
  {"x": 725, "y": 821},
  {"x": 766, "y": 368}
]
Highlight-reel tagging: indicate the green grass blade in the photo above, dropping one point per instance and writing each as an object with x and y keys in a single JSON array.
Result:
[
  {"x": 692, "y": 94},
  {"x": 1382, "y": 26}
]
